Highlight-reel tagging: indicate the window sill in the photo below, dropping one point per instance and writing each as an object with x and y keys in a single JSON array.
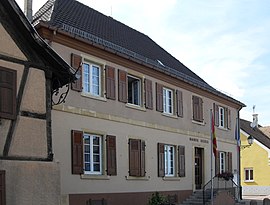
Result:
[
  {"x": 136, "y": 107},
  {"x": 169, "y": 115},
  {"x": 249, "y": 181},
  {"x": 198, "y": 123},
  {"x": 222, "y": 128},
  {"x": 168, "y": 178},
  {"x": 93, "y": 97},
  {"x": 97, "y": 177},
  {"x": 146, "y": 178}
]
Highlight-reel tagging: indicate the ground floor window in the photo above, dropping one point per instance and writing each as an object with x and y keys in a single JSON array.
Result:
[
  {"x": 169, "y": 152},
  {"x": 249, "y": 175}
]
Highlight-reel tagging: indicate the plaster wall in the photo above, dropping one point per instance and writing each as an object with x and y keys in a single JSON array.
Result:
[
  {"x": 8, "y": 46},
  {"x": 31, "y": 182},
  {"x": 34, "y": 97}
]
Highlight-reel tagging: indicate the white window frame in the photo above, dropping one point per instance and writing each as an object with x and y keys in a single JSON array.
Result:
[
  {"x": 249, "y": 175},
  {"x": 167, "y": 101},
  {"x": 169, "y": 157},
  {"x": 91, "y": 153},
  {"x": 221, "y": 116},
  {"x": 222, "y": 162},
  {"x": 139, "y": 83},
  {"x": 88, "y": 83}
]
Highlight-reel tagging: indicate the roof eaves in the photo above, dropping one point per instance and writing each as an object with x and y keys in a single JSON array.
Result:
[{"x": 152, "y": 63}]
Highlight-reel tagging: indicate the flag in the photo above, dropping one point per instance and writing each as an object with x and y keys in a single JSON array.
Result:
[
  {"x": 236, "y": 135},
  {"x": 214, "y": 139}
]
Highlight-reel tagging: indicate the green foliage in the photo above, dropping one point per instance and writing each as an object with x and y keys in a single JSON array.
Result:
[{"x": 157, "y": 199}]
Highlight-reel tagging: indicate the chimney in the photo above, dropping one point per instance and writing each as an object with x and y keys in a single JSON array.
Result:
[
  {"x": 255, "y": 120},
  {"x": 28, "y": 9}
]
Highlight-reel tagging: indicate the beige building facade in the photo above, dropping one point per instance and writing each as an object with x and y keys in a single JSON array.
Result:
[
  {"x": 131, "y": 125},
  {"x": 27, "y": 70}
]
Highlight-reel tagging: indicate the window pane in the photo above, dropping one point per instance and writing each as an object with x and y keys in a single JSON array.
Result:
[
  {"x": 86, "y": 148},
  {"x": 134, "y": 90},
  {"x": 87, "y": 167},
  {"x": 96, "y": 158},
  {"x": 96, "y": 149},
  {"x": 86, "y": 77},
  {"x": 87, "y": 157},
  {"x": 97, "y": 167},
  {"x": 251, "y": 174}
]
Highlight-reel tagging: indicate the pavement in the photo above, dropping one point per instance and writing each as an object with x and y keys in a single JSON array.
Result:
[{"x": 257, "y": 198}]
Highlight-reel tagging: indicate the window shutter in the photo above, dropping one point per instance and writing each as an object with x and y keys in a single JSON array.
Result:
[
  {"x": 134, "y": 157},
  {"x": 159, "y": 97},
  {"x": 217, "y": 163},
  {"x": 148, "y": 94},
  {"x": 111, "y": 155},
  {"x": 179, "y": 99},
  {"x": 2, "y": 187},
  {"x": 197, "y": 108},
  {"x": 225, "y": 117},
  {"x": 122, "y": 86},
  {"x": 110, "y": 82},
  {"x": 229, "y": 162},
  {"x": 216, "y": 114},
  {"x": 229, "y": 125},
  {"x": 161, "y": 160},
  {"x": 181, "y": 161},
  {"x": 142, "y": 174},
  {"x": 77, "y": 151},
  {"x": 76, "y": 63},
  {"x": 8, "y": 87}
]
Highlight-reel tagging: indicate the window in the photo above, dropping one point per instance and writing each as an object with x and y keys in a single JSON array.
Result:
[
  {"x": 169, "y": 152},
  {"x": 168, "y": 160},
  {"x": 249, "y": 174},
  {"x": 88, "y": 156},
  {"x": 197, "y": 104},
  {"x": 134, "y": 90},
  {"x": 222, "y": 116},
  {"x": 92, "y": 154},
  {"x": 222, "y": 162},
  {"x": 167, "y": 101},
  {"x": 8, "y": 93},
  {"x": 136, "y": 158},
  {"x": 91, "y": 79}
]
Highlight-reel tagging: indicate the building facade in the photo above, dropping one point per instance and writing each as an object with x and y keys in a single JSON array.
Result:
[
  {"x": 138, "y": 120},
  {"x": 28, "y": 66},
  {"x": 255, "y": 159}
]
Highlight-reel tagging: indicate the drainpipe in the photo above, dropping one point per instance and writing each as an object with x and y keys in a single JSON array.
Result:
[
  {"x": 239, "y": 155},
  {"x": 28, "y": 10}
]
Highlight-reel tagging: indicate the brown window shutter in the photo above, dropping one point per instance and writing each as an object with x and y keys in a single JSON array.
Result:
[
  {"x": 161, "y": 160},
  {"x": 111, "y": 155},
  {"x": 181, "y": 161},
  {"x": 142, "y": 164},
  {"x": 110, "y": 82},
  {"x": 77, "y": 151},
  {"x": 229, "y": 162},
  {"x": 134, "y": 157},
  {"x": 76, "y": 63},
  {"x": 217, "y": 163},
  {"x": 196, "y": 111},
  {"x": 159, "y": 97},
  {"x": 179, "y": 99},
  {"x": 8, "y": 92},
  {"x": 2, "y": 187},
  {"x": 225, "y": 117},
  {"x": 200, "y": 110},
  {"x": 229, "y": 125},
  {"x": 216, "y": 114},
  {"x": 122, "y": 86},
  {"x": 148, "y": 94}
]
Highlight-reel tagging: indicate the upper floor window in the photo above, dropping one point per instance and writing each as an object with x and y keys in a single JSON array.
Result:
[
  {"x": 197, "y": 104},
  {"x": 134, "y": 90},
  {"x": 91, "y": 78},
  {"x": 167, "y": 101},
  {"x": 222, "y": 116},
  {"x": 249, "y": 174},
  {"x": 8, "y": 93}
]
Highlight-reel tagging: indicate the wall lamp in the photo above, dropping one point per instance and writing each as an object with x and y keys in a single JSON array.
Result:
[{"x": 250, "y": 142}]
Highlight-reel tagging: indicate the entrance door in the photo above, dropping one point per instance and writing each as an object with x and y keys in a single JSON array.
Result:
[{"x": 198, "y": 167}]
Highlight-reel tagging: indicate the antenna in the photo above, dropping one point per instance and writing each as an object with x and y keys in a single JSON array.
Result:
[{"x": 254, "y": 106}]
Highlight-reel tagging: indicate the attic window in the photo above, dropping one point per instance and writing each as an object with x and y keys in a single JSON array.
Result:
[{"x": 160, "y": 63}]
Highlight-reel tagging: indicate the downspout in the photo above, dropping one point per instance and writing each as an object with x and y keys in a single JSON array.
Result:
[{"x": 28, "y": 9}]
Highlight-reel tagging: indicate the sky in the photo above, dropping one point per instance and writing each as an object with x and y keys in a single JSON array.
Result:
[{"x": 227, "y": 43}]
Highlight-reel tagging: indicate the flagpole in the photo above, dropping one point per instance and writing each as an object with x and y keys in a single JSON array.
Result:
[{"x": 211, "y": 154}]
